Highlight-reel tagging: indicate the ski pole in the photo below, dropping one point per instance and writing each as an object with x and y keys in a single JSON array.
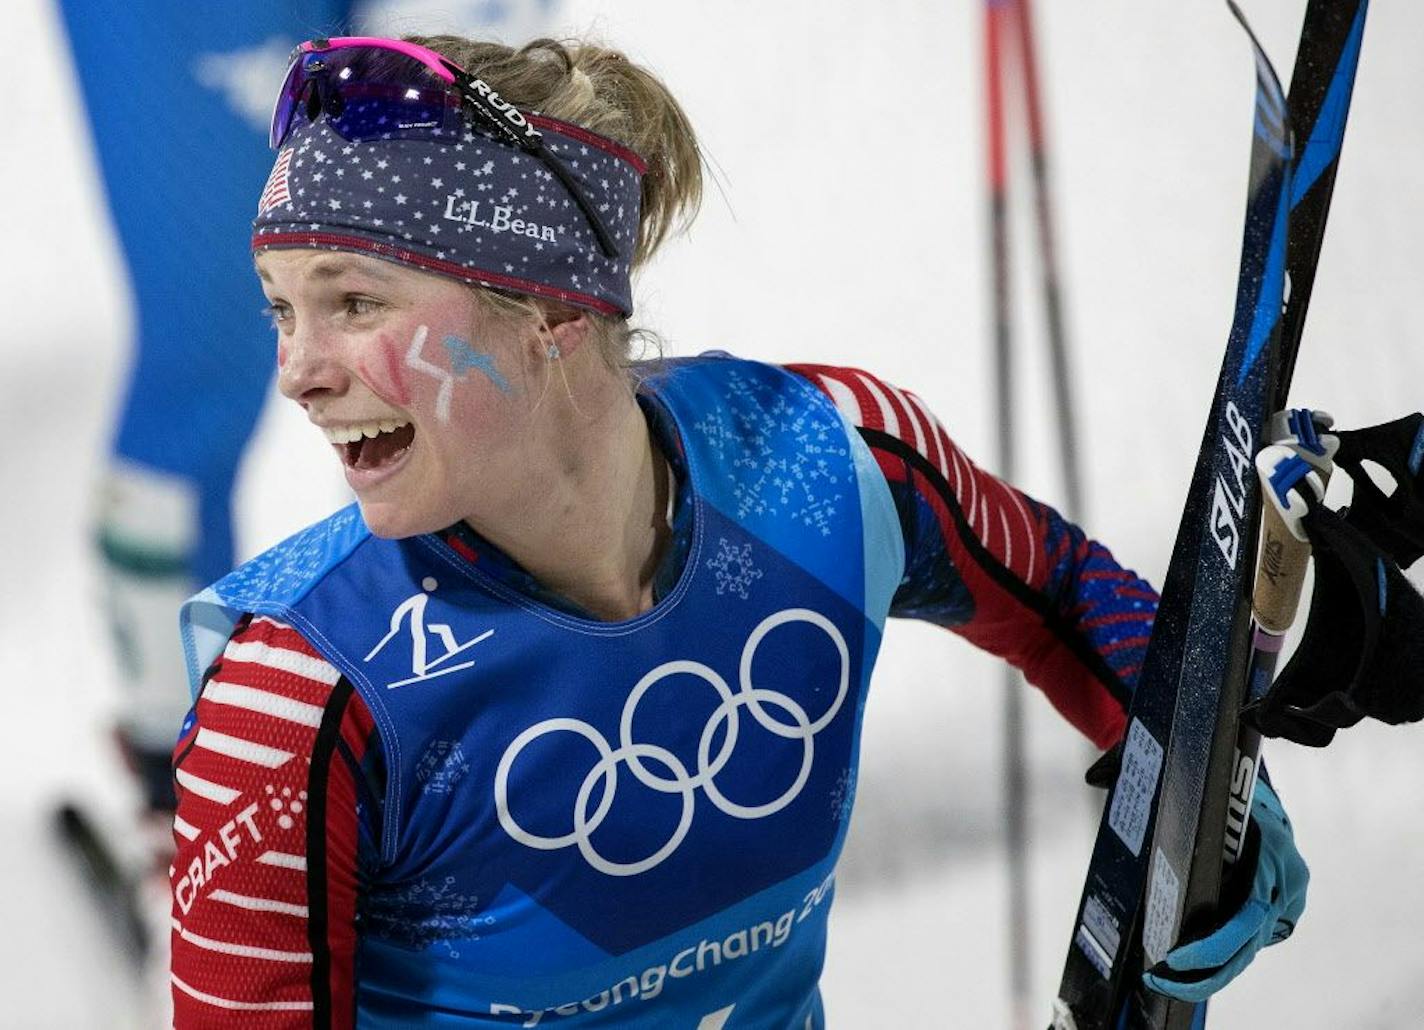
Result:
[
  {"x": 1014, "y": 766},
  {"x": 1282, "y": 559},
  {"x": 1048, "y": 269}
]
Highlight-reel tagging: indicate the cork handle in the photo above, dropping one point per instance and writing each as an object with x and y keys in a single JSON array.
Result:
[{"x": 1280, "y": 574}]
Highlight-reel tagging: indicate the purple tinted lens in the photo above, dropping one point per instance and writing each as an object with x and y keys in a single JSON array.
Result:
[
  {"x": 286, "y": 105},
  {"x": 367, "y": 111},
  {"x": 367, "y": 93}
]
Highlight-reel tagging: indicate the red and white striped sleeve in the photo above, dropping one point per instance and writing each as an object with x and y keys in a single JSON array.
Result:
[
  {"x": 1001, "y": 569},
  {"x": 996, "y": 512},
  {"x": 265, "y": 878}
]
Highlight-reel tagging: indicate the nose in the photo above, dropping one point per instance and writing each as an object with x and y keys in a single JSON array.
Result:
[{"x": 309, "y": 364}]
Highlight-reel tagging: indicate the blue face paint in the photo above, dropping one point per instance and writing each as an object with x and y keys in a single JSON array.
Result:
[{"x": 463, "y": 357}]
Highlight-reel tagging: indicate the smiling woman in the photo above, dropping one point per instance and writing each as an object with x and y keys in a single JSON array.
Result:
[
  {"x": 562, "y": 725},
  {"x": 438, "y": 406}
]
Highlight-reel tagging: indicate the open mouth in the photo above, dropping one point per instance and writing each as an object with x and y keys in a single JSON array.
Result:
[{"x": 368, "y": 446}]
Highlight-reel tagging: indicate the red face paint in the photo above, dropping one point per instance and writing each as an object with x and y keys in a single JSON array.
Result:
[
  {"x": 390, "y": 386},
  {"x": 396, "y": 370},
  {"x": 281, "y": 354}
]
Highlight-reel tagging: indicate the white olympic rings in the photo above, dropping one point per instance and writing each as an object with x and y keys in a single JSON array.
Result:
[{"x": 678, "y": 780}]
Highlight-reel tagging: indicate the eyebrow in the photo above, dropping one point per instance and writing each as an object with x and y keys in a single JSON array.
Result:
[{"x": 334, "y": 268}]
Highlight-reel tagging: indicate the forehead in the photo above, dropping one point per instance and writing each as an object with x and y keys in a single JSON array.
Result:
[{"x": 325, "y": 265}]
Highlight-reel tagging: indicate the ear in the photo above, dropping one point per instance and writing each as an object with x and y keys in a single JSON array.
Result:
[{"x": 569, "y": 328}]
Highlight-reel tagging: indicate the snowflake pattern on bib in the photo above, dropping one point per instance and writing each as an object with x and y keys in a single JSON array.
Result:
[
  {"x": 418, "y": 915},
  {"x": 734, "y": 568},
  {"x": 798, "y": 455},
  {"x": 291, "y": 566},
  {"x": 441, "y": 766}
]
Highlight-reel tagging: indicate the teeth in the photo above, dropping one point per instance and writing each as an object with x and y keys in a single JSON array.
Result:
[{"x": 357, "y": 430}]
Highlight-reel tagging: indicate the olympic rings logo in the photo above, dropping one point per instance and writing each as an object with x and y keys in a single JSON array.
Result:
[{"x": 796, "y": 725}]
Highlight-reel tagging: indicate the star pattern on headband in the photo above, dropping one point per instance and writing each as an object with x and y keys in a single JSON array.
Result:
[{"x": 488, "y": 207}]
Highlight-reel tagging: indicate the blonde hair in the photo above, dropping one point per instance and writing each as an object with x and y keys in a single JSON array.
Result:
[{"x": 601, "y": 90}]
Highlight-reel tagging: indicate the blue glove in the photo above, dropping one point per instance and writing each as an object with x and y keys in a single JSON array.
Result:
[{"x": 1198, "y": 969}]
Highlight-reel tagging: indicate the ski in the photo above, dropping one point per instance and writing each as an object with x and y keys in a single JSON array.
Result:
[
  {"x": 1318, "y": 106},
  {"x": 1156, "y": 866},
  {"x": 1321, "y": 89}
]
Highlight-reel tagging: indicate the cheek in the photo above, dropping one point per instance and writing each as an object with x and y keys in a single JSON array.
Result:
[
  {"x": 281, "y": 354},
  {"x": 483, "y": 407},
  {"x": 467, "y": 361},
  {"x": 453, "y": 377},
  {"x": 385, "y": 373}
]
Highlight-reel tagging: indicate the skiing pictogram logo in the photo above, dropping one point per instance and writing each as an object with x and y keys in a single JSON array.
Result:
[{"x": 410, "y": 614}]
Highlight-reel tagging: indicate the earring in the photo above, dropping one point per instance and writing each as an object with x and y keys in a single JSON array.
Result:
[{"x": 551, "y": 351}]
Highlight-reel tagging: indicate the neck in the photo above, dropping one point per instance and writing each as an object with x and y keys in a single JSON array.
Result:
[{"x": 593, "y": 522}]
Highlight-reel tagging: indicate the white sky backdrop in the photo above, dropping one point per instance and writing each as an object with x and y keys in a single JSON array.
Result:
[{"x": 850, "y": 227}]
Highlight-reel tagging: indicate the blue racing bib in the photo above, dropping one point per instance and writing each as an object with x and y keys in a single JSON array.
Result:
[{"x": 629, "y": 824}]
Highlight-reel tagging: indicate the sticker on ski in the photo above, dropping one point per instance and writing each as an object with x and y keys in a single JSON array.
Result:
[
  {"x": 1099, "y": 935},
  {"x": 1136, "y": 784},
  {"x": 1163, "y": 896}
]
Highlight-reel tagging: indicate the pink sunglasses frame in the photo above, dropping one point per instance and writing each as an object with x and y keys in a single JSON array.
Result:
[{"x": 511, "y": 124}]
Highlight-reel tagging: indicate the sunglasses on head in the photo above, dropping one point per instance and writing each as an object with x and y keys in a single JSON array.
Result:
[{"x": 370, "y": 88}]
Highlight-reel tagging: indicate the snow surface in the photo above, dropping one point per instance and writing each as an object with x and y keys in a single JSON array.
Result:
[{"x": 848, "y": 226}]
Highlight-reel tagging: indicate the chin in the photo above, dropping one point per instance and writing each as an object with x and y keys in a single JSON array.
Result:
[{"x": 391, "y": 522}]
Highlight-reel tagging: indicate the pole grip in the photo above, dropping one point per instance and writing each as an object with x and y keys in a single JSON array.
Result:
[{"x": 1280, "y": 573}]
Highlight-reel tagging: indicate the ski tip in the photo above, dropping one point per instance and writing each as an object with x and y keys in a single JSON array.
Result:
[{"x": 1266, "y": 71}]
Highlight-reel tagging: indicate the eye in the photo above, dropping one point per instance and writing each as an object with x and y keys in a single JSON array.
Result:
[
  {"x": 279, "y": 314},
  {"x": 357, "y": 305}
]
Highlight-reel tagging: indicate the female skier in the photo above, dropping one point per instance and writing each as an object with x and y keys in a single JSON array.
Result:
[{"x": 555, "y": 725}]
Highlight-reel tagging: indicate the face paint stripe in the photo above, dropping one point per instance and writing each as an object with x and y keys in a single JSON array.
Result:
[
  {"x": 464, "y": 357},
  {"x": 393, "y": 367},
  {"x": 413, "y": 359}
]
